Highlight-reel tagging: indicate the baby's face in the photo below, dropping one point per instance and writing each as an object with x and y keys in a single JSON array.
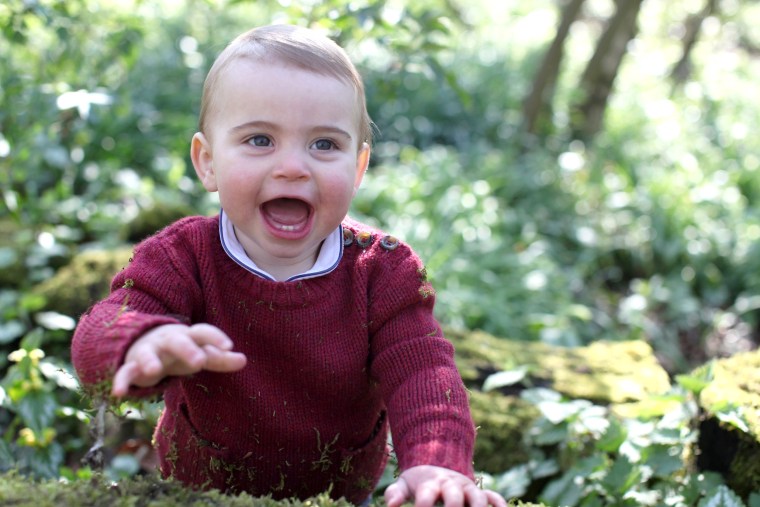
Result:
[{"x": 282, "y": 148}]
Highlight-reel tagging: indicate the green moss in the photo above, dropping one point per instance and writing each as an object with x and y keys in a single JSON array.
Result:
[
  {"x": 140, "y": 492},
  {"x": 151, "y": 220},
  {"x": 501, "y": 423},
  {"x": 735, "y": 383},
  {"x": 736, "y": 380},
  {"x": 23, "y": 492},
  {"x": 583, "y": 372},
  {"x": 13, "y": 272},
  {"x": 744, "y": 473},
  {"x": 82, "y": 282}
]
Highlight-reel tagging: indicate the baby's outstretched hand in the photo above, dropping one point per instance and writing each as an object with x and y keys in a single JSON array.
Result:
[
  {"x": 427, "y": 484},
  {"x": 175, "y": 349}
]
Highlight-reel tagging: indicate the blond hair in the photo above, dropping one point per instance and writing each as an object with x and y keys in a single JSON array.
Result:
[{"x": 291, "y": 45}]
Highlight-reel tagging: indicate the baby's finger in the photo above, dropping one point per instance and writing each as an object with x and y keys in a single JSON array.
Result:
[
  {"x": 475, "y": 496},
  {"x": 222, "y": 360},
  {"x": 123, "y": 378},
  {"x": 495, "y": 499},
  {"x": 453, "y": 495},
  {"x": 397, "y": 493},
  {"x": 206, "y": 334},
  {"x": 427, "y": 494},
  {"x": 183, "y": 350}
]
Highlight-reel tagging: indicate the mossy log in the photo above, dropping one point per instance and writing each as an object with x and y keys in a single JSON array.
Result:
[
  {"x": 150, "y": 491},
  {"x": 727, "y": 448},
  {"x": 82, "y": 282},
  {"x": 608, "y": 373}
]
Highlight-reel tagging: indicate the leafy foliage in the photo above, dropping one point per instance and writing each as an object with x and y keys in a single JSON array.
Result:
[
  {"x": 652, "y": 232},
  {"x": 585, "y": 454}
]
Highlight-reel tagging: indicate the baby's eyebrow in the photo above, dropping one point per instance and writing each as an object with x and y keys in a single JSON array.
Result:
[
  {"x": 266, "y": 125},
  {"x": 333, "y": 130},
  {"x": 256, "y": 124}
]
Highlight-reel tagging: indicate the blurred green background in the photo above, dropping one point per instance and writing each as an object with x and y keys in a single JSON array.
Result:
[{"x": 570, "y": 171}]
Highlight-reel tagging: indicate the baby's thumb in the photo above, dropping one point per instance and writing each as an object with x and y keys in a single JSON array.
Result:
[{"x": 397, "y": 493}]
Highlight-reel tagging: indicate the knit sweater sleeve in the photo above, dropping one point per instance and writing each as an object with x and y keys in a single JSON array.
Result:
[
  {"x": 159, "y": 286},
  {"x": 427, "y": 402}
]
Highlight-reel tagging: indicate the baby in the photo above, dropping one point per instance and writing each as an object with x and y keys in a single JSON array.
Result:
[{"x": 287, "y": 340}]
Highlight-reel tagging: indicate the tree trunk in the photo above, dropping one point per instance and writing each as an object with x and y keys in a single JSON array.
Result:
[
  {"x": 682, "y": 70},
  {"x": 538, "y": 104},
  {"x": 596, "y": 83}
]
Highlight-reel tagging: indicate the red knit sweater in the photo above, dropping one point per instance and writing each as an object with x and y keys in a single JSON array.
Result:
[{"x": 332, "y": 362}]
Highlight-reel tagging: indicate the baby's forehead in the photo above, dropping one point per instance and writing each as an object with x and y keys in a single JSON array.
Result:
[{"x": 246, "y": 60}]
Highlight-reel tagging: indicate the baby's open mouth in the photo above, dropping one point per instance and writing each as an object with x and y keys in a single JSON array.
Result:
[{"x": 287, "y": 214}]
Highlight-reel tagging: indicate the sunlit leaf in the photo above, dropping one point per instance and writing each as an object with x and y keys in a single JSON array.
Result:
[
  {"x": 557, "y": 412},
  {"x": 721, "y": 497},
  {"x": 59, "y": 375},
  {"x": 693, "y": 383},
  {"x": 733, "y": 417},
  {"x": 539, "y": 394},
  {"x": 504, "y": 379},
  {"x": 55, "y": 321}
]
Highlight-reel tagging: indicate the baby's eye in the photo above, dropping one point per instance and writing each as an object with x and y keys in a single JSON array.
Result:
[
  {"x": 324, "y": 144},
  {"x": 260, "y": 140}
]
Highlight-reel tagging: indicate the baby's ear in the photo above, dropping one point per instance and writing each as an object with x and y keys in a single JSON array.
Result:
[
  {"x": 200, "y": 154},
  {"x": 362, "y": 162}
]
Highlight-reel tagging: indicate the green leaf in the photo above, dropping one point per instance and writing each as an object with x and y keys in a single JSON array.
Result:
[
  {"x": 539, "y": 394},
  {"x": 9, "y": 331},
  {"x": 557, "y": 412},
  {"x": 8, "y": 257},
  {"x": 513, "y": 483},
  {"x": 734, "y": 417},
  {"x": 613, "y": 438},
  {"x": 621, "y": 477},
  {"x": 570, "y": 488},
  {"x": 55, "y": 321},
  {"x": 721, "y": 497},
  {"x": 46, "y": 461},
  {"x": 567, "y": 490},
  {"x": 754, "y": 500},
  {"x": 663, "y": 459},
  {"x": 6, "y": 456},
  {"x": 544, "y": 432},
  {"x": 37, "y": 410},
  {"x": 504, "y": 378},
  {"x": 697, "y": 380},
  {"x": 123, "y": 466}
]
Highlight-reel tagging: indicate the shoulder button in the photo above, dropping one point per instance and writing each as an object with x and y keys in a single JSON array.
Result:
[
  {"x": 364, "y": 239},
  {"x": 389, "y": 243},
  {"x": 348, "y": 237}
]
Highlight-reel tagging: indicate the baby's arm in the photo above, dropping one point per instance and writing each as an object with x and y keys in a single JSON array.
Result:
[
  {"x": 426, "y": 484},
  {"x": 175, "y": 349}
]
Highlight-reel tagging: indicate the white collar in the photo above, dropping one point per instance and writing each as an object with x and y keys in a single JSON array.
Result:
[{"x": 329, "y": 254}]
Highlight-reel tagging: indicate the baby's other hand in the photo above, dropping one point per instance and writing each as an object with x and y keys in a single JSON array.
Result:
[
  {"x": 175, "y": 349},
  {"x": 427, "y": 484}
]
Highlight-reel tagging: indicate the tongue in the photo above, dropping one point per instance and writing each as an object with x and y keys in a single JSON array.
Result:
[{"x": 287, "y": 211}]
